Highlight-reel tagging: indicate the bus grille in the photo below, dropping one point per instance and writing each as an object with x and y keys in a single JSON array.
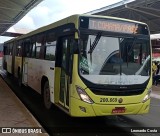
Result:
[{"x": 110, "y": 92}]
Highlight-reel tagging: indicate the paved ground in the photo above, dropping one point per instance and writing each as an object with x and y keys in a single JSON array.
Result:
[
  {"x": 13, "y": 113},
  {"x": 55, "y": 118},
  {"x": 156, "y": 91},
  {"x": 57, "y": 123}
]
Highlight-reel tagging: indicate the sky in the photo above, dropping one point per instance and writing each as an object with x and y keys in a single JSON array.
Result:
[{"x": 49, "y": 11}]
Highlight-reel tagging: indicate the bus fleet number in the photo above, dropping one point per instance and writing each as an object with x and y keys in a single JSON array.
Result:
[{"x": 108, "y": 99}]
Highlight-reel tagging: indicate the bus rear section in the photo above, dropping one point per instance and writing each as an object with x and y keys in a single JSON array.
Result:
[{"x": 112, "y": 69}]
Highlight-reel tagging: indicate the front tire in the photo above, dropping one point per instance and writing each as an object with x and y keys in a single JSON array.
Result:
[{"x": 46, "y": 96}]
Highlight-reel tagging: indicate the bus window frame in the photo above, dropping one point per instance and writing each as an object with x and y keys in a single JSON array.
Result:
[
  {"x": 40, "y": 45},
  {"x": 19, "y": 51},
  {"x": 27, "y": 44},
  {"x": 70, "y": 54},
  {"x": 50, "y": 34}
]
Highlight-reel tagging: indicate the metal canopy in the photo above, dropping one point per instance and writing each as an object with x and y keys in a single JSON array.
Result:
[
  {"x": 11, "y": 11},
  {"x": 147, "y": 11}
]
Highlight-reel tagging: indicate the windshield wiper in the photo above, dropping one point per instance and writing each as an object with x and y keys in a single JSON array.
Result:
[
  {"x": 95, "y": 42},
  {"x": 93, "y": 45}
]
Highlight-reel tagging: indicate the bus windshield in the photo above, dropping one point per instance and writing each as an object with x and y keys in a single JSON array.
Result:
[{"x": 114, "y": 60}]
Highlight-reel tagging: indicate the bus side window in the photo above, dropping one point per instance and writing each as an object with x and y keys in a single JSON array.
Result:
[
  {"x": 50, "y": 46},
  {"x": 38, "y": 51},
  {"x": 50, "y": 49},
  {"x": 28, "y": 48},
  {"x": 39, "y": 46},
  {"x": 10, "y": 48},
  {"x": 18, "y": 52},
  {"x": 19, "y": 49},
  {"x": 50, "y": 53},
  {"x": 33, "y": 50},
  {"x": 5, "y": 50}
]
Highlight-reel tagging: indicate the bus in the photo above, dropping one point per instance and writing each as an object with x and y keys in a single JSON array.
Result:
[
  {"x": 87, "y": 65},
  {"x": 155, "y": 41}
]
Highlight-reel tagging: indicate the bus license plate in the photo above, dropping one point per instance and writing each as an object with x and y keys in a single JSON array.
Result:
[{"x": 118, "y": 110}]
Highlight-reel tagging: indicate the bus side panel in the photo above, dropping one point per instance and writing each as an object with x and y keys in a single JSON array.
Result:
[
  {"x": 36, "y": 69},
  {"x": 8, "y": 63},
  {"x": 57, "y": 84}
]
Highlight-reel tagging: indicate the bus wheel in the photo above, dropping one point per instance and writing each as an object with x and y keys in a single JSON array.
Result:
[{"x": 46, "y": 95}]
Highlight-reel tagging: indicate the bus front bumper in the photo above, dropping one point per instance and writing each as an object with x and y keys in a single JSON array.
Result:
[{"x": 78, "y": 108}]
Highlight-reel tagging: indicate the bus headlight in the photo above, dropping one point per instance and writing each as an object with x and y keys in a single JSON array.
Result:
[
  {"x": 83, "y": 95},
  {"x": 147, "y": 96}
]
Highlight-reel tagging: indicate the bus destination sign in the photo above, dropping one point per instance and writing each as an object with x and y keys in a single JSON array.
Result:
[{"x": 113, "y": 26}]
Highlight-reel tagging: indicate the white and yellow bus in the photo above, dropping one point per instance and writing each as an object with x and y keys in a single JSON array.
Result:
[{"x": 86, "y": 65}]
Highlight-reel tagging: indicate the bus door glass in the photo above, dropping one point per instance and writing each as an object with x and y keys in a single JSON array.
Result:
[
  {"x": 18, "y": 60},
  {"x": 66, "y": 64},
  {"x": 27, "y": 54}
]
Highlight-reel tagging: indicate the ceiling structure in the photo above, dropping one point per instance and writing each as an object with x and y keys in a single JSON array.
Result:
[
  {"x": 11, "y": 11},
  {"x": 147, "y": 11}
]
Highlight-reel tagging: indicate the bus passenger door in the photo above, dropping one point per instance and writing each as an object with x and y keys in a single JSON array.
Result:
[{"x": 66, "y": 60}]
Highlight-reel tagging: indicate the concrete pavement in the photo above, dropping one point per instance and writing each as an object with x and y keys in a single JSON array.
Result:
[
  {"x": 13, "y": 113},
  {"x": 156, "y": 91}
]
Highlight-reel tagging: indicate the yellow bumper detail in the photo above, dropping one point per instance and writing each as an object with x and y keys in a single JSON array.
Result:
[{"x": 79, "y": 108}]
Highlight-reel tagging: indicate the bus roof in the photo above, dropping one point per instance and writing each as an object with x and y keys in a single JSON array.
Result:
[
  {"x": 11, "y": 40},
  {"x": 70, "y": 19}
]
